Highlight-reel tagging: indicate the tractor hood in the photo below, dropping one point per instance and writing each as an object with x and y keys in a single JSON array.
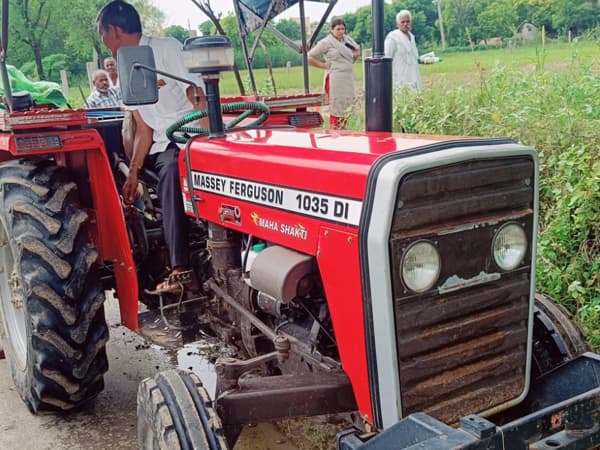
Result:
[
  {"x": 324, "y": 161},
  {"x": 285, "y": 185}
]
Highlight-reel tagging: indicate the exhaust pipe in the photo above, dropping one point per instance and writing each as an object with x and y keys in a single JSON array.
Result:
[{"x": 378, "y": 78}]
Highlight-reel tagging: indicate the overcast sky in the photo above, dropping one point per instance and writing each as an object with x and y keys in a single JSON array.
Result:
[{"x": 184, "y": 12}]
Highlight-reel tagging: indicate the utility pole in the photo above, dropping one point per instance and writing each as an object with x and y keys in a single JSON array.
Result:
[{"x": 441, "y": 22}]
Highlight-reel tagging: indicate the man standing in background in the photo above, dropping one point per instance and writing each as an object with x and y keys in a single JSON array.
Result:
[
  {"x": 400, "y": 45},
  {"x": 110, "y": 65}
]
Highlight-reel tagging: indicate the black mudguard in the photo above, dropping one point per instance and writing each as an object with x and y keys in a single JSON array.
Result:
[{"x": 561, "y": 411}]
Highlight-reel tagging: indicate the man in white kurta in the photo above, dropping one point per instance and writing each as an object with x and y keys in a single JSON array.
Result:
[{"x": 400, "y": 45}]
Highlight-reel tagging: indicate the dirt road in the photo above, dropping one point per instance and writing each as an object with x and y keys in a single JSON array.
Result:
[{"x": 109, "y": 423}]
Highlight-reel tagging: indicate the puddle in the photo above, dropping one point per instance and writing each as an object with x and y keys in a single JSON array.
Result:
[
  {"x": 199, "y": 357},
  {"x": 194, "y": 356}
]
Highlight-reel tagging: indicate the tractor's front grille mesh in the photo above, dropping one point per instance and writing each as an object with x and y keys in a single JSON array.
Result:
[{"x": 462, "y": 346}]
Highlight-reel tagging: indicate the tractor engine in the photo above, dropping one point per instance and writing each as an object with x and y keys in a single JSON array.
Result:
[{"x": 278, "y": 286}]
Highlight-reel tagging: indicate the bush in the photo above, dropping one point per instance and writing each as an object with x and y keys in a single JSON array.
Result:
[
  {"x": 52, "y": 64},
  {"x": 558, "y": 113}
]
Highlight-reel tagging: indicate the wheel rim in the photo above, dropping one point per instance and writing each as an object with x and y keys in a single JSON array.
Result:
[{"x": 13, "y": 308}]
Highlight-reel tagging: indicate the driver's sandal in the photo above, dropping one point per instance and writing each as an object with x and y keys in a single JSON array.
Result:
[{"x": 176, "y": 283}]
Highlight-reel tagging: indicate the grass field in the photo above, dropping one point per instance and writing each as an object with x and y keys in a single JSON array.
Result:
[
  {"x": 545, "y": 97},
  {"x": 455, "y": 66}
]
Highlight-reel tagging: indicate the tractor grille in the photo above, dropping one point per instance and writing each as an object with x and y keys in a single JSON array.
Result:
[{"x": 462, "y": 346}]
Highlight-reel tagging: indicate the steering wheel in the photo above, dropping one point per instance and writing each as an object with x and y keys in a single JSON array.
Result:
[{"x": 180, "y": 134}]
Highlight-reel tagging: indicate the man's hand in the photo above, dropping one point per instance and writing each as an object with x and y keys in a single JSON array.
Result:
[{"x": 130, "y": 188}]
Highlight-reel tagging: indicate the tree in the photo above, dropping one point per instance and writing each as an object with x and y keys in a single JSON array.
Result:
[
  {"x": 575, "y": 15},
  {"x": 32, "y": 21},
  {"x": 460, "y": 16},
  {"x": 536, "y": 12},
  {"x": 289, "y": 27},
  {"x": 151, "y": 16},
  {"x": 499, "y": 18},
  {"x": 178, "y": 32},
  {"x": 361, "y": 31},
  {"x": 206, "y": 28},
  {"x": 424, "y": 17},
  {"x": 82, "y": 38}
]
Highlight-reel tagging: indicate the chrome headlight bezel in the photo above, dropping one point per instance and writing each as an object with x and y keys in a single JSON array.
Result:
[
  {"x": 510, "y": 237},
  {"x": 427, "y": 253}
]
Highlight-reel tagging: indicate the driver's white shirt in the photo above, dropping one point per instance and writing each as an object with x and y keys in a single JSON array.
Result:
[{"x": 172, "y": 103}]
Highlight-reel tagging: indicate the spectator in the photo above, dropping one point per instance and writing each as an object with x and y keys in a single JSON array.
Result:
[
  {"x": 119, "y": 25},
  {"x": 340, "y": 52},
  {"x": 110, "y": 65},
  {"x": 400, "y": 45},
  {"x": 102, "y": 95}
]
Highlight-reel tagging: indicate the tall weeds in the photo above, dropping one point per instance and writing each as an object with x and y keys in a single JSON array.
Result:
[{"x": 557, "y": 111}]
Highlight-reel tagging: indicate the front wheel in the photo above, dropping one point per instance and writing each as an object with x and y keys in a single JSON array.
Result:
[
  {"x": 556, "y": 337},
  {"x": 51, "y": 295},
  {"x": 174, "y": 412}
]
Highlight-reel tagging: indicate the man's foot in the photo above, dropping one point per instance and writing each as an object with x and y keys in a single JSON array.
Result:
[{"x": 181, "y": 278}]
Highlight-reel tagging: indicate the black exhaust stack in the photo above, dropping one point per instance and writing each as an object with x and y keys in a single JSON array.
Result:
[{"x": 378, "y": 78}]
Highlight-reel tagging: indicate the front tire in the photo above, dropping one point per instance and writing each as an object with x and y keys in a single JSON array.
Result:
[
  {"x": 174, "y": 412},
  {"x": 556, "y": 336},
  {"x": 51, "y": 296}
]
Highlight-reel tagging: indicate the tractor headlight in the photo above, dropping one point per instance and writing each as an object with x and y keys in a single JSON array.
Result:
[
  {"x": 509, "y": 246},
  {"x": 420, "y": 266}
]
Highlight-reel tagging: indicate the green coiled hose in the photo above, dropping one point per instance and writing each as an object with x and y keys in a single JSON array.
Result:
[{"x": 180, "y": 134}]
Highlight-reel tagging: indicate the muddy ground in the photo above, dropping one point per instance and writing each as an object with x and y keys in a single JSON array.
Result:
[{"x": 109, "y": 423}]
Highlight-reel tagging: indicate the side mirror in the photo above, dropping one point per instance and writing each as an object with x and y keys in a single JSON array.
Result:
[{"x": 138, "y": 81}]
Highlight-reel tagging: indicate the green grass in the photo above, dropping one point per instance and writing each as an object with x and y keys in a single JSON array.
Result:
[
  {"x": 544, "y": 97},
  {"x": 551, "y": 103},
  {"x": 456, "y": 66}
]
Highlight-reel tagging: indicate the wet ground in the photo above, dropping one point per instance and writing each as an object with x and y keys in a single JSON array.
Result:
[{"x": 109, "y": 423}]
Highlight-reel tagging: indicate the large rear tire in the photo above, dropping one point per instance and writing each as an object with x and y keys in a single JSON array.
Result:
[
  {"x": 556, "y": 336},
  {"x": 174, "y": 412},
  {"x": 51, "y": 296}
]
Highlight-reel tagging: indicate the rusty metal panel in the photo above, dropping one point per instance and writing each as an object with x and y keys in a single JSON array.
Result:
[
  {"x": 463, "y": 192},
  {"x": 462, "y": 346},
  {"x": 463, "y": 352}
]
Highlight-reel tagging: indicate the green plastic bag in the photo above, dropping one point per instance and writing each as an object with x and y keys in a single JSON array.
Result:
[{"x": 42, "y": 92}]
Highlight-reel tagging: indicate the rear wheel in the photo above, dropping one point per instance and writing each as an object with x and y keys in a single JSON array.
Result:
[
  {"x": 175, "y": 412},
  {"x": 51, "y": 295},
  {"x": 556, "y": 337}
]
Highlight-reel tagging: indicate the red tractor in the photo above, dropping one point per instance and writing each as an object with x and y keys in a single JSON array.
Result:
[{"x": 386, "y": 275}]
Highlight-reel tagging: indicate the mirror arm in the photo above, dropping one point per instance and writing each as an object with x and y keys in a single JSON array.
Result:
[
  {"x": 139, "y": 66},
  {"x": 215, "y": 117}
]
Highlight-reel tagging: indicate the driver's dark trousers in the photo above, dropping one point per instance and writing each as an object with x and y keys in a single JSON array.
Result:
[{"x": 175, "y": 221}]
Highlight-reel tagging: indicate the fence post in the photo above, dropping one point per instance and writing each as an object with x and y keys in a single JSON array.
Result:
[
  {"x": 65, "y": 82},
  {"x": 91, "y": 66}
]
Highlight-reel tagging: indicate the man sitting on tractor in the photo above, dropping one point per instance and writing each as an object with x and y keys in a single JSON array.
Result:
[{"x": 119, "y": 25}]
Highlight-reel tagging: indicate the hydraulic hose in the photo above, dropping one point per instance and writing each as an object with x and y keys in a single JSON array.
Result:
[{"x": 180, "y": 134}]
